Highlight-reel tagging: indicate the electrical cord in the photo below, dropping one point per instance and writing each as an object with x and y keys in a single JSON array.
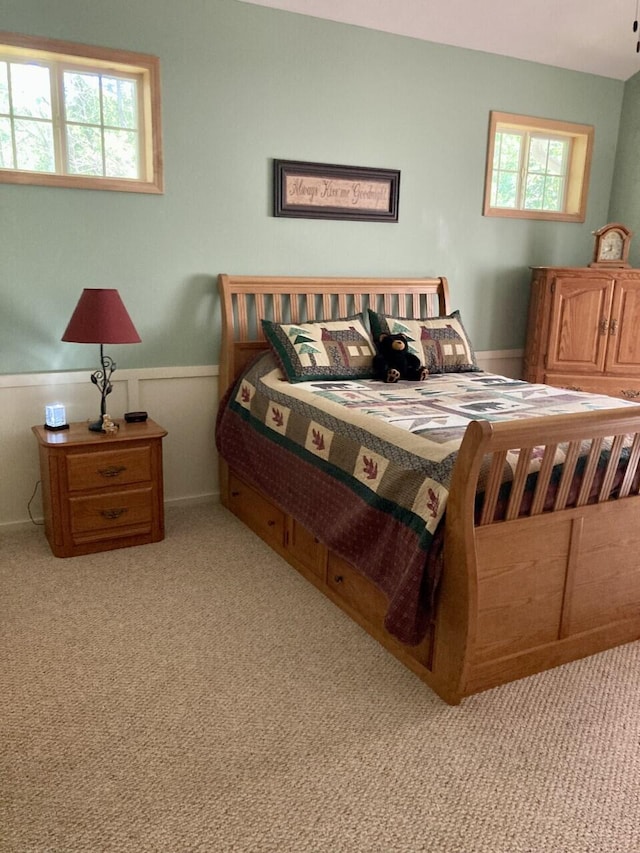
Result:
[{"x": 35, "y": 489}]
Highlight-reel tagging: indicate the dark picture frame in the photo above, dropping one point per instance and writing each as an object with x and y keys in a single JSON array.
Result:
[{"x": 329, "y": 191}]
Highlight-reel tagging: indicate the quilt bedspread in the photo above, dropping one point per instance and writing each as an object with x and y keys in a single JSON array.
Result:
[{"x": 367, "y": 466}]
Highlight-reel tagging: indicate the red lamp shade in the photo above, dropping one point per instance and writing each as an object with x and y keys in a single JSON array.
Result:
[{"x": 101, "y": 318}]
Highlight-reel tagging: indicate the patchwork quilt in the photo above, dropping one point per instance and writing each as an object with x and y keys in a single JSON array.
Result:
[{"x": 366, "y": 466}]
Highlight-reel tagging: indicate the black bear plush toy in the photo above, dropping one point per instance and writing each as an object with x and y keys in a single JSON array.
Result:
[{"x": 393, "y": 360}]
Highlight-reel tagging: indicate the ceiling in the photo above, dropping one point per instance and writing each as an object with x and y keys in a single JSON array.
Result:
[{"x": 594, "y": 36}]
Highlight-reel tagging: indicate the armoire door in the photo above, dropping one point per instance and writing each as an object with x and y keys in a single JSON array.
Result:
[
  {"x": 579, "y": 325},
  {"x": 623, "y": 350}
]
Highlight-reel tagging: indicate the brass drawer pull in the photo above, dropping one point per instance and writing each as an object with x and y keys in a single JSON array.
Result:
[
  {"x": 116, "y": 512},
  {"x": 338, "y": 579},
  {"x": 112, "y": 470},
  {"x": 631, "y": 394}
]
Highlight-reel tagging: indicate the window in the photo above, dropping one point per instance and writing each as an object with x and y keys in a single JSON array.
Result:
[
  {"x": 537, "y": 168},
  {"x": 79, "y": 116}
]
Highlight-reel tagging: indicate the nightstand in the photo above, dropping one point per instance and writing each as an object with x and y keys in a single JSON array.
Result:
[{"x": 101, "y": 491}]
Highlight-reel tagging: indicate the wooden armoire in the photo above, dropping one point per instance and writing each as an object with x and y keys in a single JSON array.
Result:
[{"x": 584, "y": 330}]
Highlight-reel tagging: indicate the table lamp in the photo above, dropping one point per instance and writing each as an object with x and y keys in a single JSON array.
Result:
[{"x": 101, "y": 318}]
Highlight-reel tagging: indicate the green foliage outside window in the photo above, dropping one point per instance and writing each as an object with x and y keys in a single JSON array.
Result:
[
  {"x": 100, "y": 120},
  {"x": 79, "y": 116},
  {"x": 539, "y": 186}
]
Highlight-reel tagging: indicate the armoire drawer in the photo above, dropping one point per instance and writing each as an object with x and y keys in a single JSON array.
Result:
[{"x": 613, "y": 386}]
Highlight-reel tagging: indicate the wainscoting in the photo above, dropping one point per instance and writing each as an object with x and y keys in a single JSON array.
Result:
[{"x": 182, "y": 399}]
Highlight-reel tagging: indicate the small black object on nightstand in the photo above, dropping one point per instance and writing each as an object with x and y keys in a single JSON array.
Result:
[{"x": 135, "y": 417}]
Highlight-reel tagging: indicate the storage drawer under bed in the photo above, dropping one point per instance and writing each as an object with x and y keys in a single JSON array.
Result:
[{"x": 256, "y": 512}]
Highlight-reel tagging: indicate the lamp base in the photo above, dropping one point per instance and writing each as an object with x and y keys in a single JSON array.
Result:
[
  {"x": 56, "y": 428},
  {"x": 96, "y": 426}
]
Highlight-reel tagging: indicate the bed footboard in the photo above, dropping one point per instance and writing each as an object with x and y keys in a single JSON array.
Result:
[{"x": 555, "y": 575}]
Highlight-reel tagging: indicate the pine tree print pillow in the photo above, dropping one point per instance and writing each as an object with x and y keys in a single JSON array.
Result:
[{"x": 332, "y": 349}]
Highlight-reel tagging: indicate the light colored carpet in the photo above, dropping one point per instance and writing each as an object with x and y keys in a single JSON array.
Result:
[{"x": 157, "y": 699}]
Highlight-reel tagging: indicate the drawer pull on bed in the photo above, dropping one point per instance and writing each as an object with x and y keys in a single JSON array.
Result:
[
  {"x": 112, "y": 470},
  {"x": 116, "y": 512}
]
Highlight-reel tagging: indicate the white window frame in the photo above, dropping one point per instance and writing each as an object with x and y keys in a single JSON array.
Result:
[
  {"x": 580, "y": 140},
  {"x": 58, "y": 55}
]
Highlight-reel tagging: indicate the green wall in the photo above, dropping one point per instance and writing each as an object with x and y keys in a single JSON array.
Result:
[
  {"x": 625, "y": 197},
  {"x": 241, "y": 85}
]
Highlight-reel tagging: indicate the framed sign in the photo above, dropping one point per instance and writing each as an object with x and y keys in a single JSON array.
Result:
[{"x": 320, "y": 191}]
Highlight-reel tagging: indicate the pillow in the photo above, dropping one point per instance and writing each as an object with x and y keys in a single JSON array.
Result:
[
  {"x": 331, "y": 349},
  {"x": 441, "y": 343}
]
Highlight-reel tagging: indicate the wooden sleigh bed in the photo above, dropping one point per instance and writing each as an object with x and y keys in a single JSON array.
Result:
[{"x": 520, "y": 592}]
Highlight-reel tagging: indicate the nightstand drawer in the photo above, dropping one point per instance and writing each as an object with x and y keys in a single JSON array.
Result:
[
  {"x": 128, "y": 508},
  {"x": 108, "y": 468}
]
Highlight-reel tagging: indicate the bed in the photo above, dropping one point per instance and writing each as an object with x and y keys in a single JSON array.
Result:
[{"x": 520, "y": 553}]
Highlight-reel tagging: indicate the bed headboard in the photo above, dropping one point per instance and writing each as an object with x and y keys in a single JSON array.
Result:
[{"x": 246, "y": 300}]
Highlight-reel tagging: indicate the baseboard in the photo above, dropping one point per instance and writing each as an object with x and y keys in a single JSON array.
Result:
[
  {"x": 193, "y": 500},
  {"x": 503, "y": 362}
]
